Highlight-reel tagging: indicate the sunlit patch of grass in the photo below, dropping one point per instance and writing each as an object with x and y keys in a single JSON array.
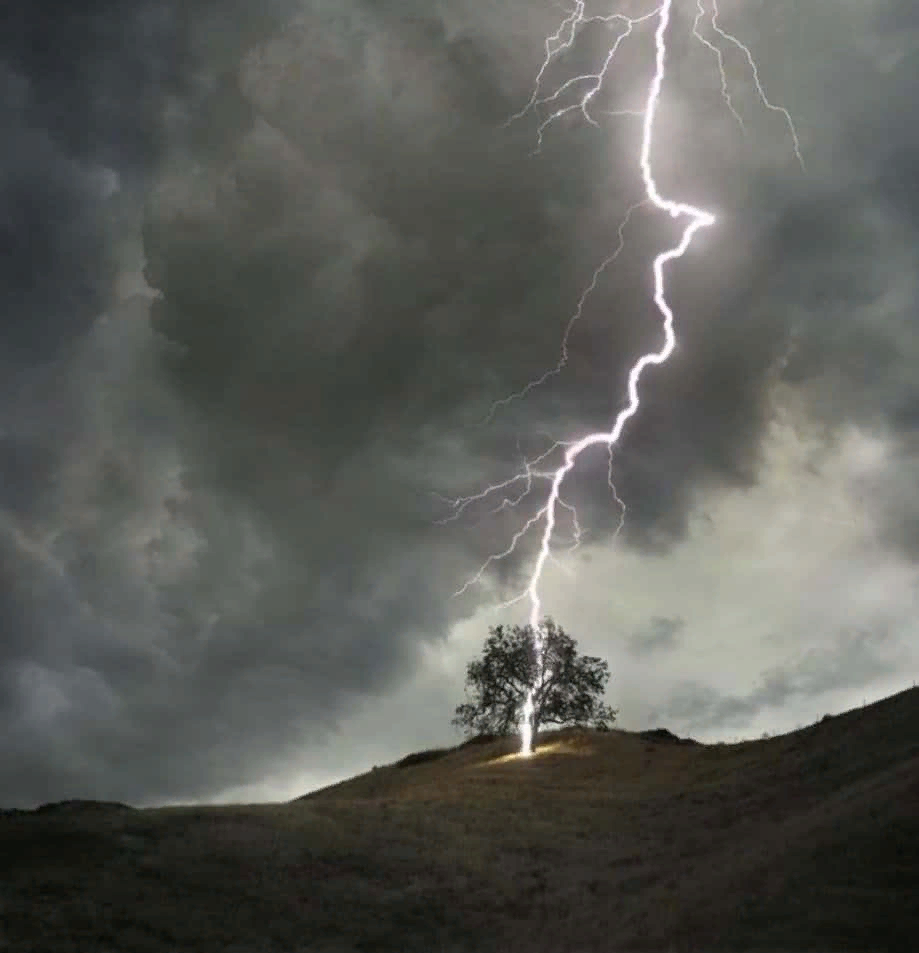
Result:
[{"x": 541, "y": 751}]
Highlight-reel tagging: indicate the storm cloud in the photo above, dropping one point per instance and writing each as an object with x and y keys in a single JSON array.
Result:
[
  {"x": 854, "y": 657},
  {"x": 269, "y": 273},
  {"x": 658, "y": 635}
]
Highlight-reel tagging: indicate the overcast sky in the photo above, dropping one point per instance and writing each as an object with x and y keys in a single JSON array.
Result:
[{"x": 264, "y": 275}]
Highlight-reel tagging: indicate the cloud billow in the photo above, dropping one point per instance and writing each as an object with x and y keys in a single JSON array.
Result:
[{"x": 232, "y": 542}]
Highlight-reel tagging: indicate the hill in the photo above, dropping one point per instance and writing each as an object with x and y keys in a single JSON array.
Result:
[{"x": 599, "y": 842}]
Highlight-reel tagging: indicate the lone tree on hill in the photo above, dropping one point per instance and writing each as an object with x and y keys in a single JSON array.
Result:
[{"x": 568, "y": 693}]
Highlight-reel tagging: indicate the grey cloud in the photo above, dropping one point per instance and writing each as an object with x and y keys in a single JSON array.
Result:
[
  {"x": 659, "y": 635},
  {"x": 219, "y": 640},
  {"x": 853, "y": 659},
  {"x": 84, "y": 119}
]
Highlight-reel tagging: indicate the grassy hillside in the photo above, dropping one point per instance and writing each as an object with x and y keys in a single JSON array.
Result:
[{"x": 599, "y": 842}]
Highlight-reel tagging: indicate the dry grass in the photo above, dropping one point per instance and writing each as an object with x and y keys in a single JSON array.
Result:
[{"x": 599, "y": 842}]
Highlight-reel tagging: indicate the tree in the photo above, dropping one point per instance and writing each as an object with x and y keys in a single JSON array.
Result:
[{"x": 568, "y": 691}]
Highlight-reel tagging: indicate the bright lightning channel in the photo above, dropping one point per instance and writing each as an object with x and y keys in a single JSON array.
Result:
[{"x": 696, "y": 219}]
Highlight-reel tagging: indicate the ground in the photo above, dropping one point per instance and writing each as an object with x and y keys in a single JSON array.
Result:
[{"x": 599, "y": 842}]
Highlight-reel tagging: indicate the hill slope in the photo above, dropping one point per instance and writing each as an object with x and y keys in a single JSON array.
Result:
[{"x": 600, "y": 842}]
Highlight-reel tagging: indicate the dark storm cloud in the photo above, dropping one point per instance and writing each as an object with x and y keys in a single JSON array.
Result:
[
  {"x": 94, "y": 95},
  {"x": 233, "y": 541},
  {"x": 78, "y": 112},
  {"x": 659, "y": 635},
  {"x": 53, "y": 268},
  {"x": 84, "y": 118},
  {"x": 850, "y": 661}
]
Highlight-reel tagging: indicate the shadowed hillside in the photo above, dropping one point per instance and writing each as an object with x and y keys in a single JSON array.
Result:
[{"x": 599, "y": 842}]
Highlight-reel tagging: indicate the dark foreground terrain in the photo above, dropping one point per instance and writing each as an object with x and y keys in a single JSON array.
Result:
[{"x": 600, "y": 842}]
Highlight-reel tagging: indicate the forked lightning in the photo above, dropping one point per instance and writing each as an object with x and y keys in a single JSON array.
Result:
[{"x": 589, "y": 85}]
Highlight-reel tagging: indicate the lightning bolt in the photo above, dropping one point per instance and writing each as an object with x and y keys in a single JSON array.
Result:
[
  {"x": 695, "y": 219},
  {"x": 754, "y": 70},
  {"x": 592, "y": 284}
]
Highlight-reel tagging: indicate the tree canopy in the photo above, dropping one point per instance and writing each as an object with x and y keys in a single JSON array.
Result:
[{"x": 568, "y": 691}]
